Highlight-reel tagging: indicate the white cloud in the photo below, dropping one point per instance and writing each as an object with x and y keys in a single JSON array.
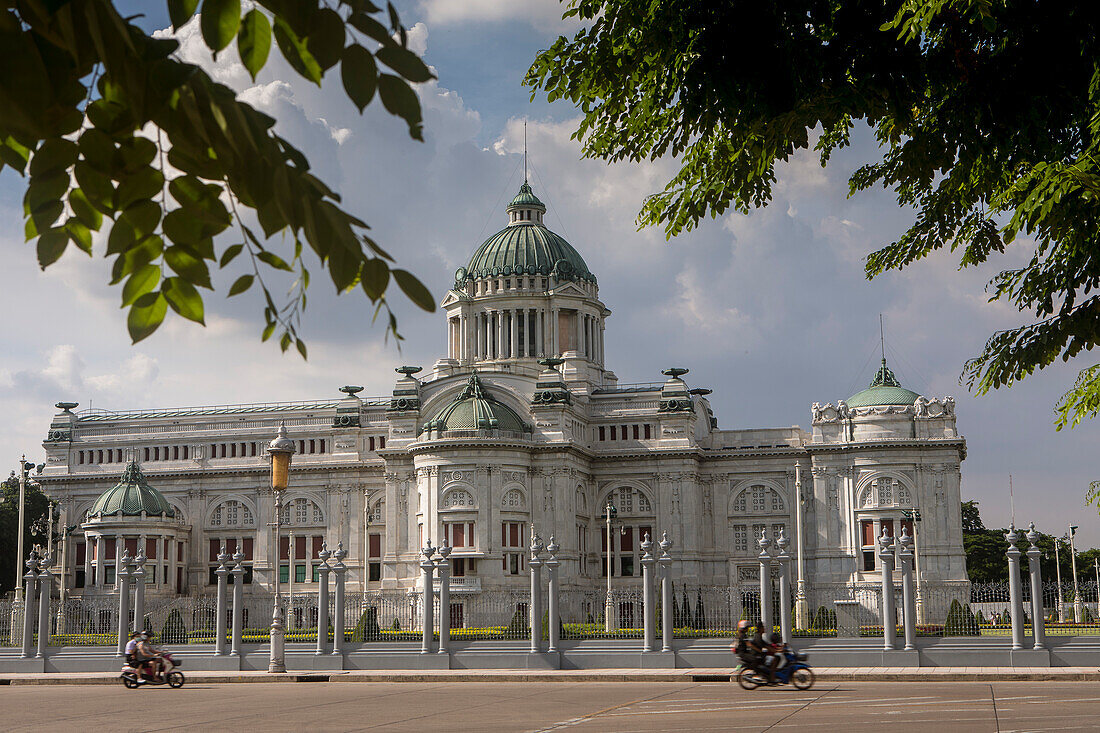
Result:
[{"x": 543, "y": 13}]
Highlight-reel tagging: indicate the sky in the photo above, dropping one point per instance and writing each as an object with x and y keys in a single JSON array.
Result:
[{"x": 771, "y": 310}]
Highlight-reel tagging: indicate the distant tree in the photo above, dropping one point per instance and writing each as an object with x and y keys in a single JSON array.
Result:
[
  {"x": 37, "y": 505},
  {"x": 971, "y": 517}
]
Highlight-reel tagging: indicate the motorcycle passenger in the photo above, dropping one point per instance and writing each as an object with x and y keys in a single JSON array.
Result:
[
  {"x": 147, "y": 655},
  {"x": 131, "y": 647},
  {"x": 769, "y": 655},
  {"x": 740, "y": 645}
]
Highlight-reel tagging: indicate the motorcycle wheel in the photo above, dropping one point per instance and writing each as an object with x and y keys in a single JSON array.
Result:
[
  {"x": 130, "y": 682},
  {"x": 175, "y": 679},
  {"x": 747, "y": 679},
  {"x": 802, "y": 679}
]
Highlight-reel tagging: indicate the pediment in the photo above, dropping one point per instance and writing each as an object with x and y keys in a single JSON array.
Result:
[
  {"x": 569, "y": 288},
  {"x": 452, "y": 297}
]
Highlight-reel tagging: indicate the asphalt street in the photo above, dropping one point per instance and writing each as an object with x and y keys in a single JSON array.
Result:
[{"x": 942, "y": 707}]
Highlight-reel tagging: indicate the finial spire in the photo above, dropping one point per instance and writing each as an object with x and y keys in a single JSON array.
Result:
[
  {"x": 881, "y": 338},
  {"x": 525, "y": 151}
]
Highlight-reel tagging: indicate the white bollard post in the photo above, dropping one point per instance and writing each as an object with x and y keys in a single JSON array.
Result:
[
  {"x": 238, "y": 602},
  {"x": 45, "y": 586},
  {"x": 122, "y": 575},
  {"x": 1038, "y": 628},
  {"x": 339, "y": 571},
  {"x": 1014, "y": 595},
  {"x": 444, "y": 566},
  {"x": 784, "y": 586},
  {"x": 219, "y": 622},
  {"x": 765, "y": 583},
  {"x": 426, "y": 567},
  {"x": 535, "y": 610},
  {"x": 665, "y": 562},
  {"x": 889, "y": 611},
  {"x": 322, "y": 600},
  {"x": 137, "y": 579},
  {"x": 649, "y": 613},
  {"x": 908, "y": 598},
  {"x": 553, "y": 612},
  {"x": 30, "y": 581}
]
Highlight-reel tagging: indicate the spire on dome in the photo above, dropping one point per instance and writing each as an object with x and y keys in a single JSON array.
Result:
[{"x": 884, "y": 377}]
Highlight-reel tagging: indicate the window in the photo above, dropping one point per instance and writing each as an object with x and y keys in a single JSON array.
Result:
[
  {"x": 376, "y": 513},
  {"x": 613, "y": 432},
  {"x": 513, "y": 500},
  {"x": 375, "y": 572},
  {"x": 603, "y": 435},
  {"x": 512, "y": 534},
  {"x": 867, "y": 533},
  {"x": 884, "y": 488},
  {"x": 459, "y": 534},
  {"x": 513, "y": 563},
  {"x": 458, "y": 499},
  {"x": 647, "y": 431},
  {"x": 635, "y": 431},
  {"x": 740, "y": 539},
  {"x": 299, "y": 573},
  {"x": 757, "y": 499}
]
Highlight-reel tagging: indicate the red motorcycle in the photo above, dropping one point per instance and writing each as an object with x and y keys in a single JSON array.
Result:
[{"x": 135, "y": 677}]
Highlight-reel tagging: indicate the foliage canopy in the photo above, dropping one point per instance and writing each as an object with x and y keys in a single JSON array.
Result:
[
  {"x": 116, "y": 134},
  {"x": 987, "y": 115}
]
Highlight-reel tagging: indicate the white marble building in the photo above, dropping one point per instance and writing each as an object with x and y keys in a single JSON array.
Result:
[{"x": 494, "y": 438}]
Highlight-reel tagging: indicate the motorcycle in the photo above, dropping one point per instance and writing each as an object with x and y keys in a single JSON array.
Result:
[
  {"x": 135, "y": 677},
  {"x": 796, "y": 672}
]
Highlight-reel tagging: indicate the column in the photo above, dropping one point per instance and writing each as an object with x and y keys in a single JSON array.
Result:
[
  {"x": 580, "y": 334},
  {"x": 500, "y": 334},
  {"x": 1015, "y": 599},
  {"x": 444, "y": 566},
  {"x": 553, "y": 615},
  {"x": 238, "y": 601},
  {"x": 648, "y": 611},
  {"x": 540, "y": 348},
  {"x": 426, "y": 598},
  {"x": 290, "y": 621},
  {"x": 889, "y": 614},
  {"x": 120, "y": 542},
  {"x": 784, "y": 587},
  {"x": 1033, "y": 554},
  {"x": 219, "y": 623},
  {"x": 322, "y": 600},
  {"x": 29, "y": 580},
  {"x": 45, "y": 585},
  {"x": 666, "y": 593},
  {"x": 555, "y": 346},
  {"x": 535, "y": 609},
  {"x": 137, "y": 579},
  {"x": 513, "y": 348},
  {"x": 170, "y": 550},
  {"x": 765, "y": 559},
  {"x": 908, "y": 601},
  {"x": 801, "y": 607},
  {"x": 122, "y": 573},
  {"x": 89, "y": 571},
  {"x": 464, "y": 336}
]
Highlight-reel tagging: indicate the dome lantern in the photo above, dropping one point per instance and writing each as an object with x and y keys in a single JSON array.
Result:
[
  {"x": 885, "y": 389},
  {"x": 132, "y": 496}
]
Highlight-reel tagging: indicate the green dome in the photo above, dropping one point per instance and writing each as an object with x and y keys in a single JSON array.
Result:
[
  {"x": 131, "y": 496},
  {"x": 885, "y": 389},
  {"x": 527, "y": 248},
  {"x": 475, "y": 409}
]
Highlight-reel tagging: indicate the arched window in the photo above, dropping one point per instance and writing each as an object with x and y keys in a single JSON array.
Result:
[
  {"x": 513, "y": 501},
  {"x": 581, "y": 501},
  {"x": 231, "y": 513},
  {"x": 458, "y": 499},
  {"x": 884, "y": 491},
  {"x": 758, "y": 499},
  {"x": 630, "y": 501},
  {"x": 302, "y": 512},
  {"x": 377, "y": 513}
]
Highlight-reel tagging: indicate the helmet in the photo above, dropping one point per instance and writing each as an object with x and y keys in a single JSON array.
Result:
[
  {"x": 144, "y": 634},
  {"x": 134, "y": 634},
  {"x": 743, "y": 625}
]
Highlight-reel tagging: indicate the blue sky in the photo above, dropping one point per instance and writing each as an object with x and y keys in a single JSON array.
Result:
[{"x": 771, "y": 310}]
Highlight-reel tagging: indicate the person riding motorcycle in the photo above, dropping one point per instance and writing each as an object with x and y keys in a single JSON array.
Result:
[
  {"x": 768, "y": 656},
  {"x": 751, "y": 650},
  {"x": 147, "y": 655},
  {"x": 131, "y": 648}
]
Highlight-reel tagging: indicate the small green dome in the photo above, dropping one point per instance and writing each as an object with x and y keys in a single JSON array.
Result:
[
  {"x": 527, "y": 247},
  {"x": 131, "y": 496},
  {"x": 526, "y": 198},
  {"x": 475, "y": 409},
  {"x": 885, "y": 389}
]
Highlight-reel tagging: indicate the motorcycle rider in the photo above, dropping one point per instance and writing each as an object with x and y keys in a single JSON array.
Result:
[
  {"x": 769, "y": 657},
  {"x": 147, "y": 655}
]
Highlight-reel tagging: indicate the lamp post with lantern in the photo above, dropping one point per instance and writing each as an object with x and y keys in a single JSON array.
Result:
[
  {"x": 609, "y": 607},
  {"x": 280, "y": 449}
]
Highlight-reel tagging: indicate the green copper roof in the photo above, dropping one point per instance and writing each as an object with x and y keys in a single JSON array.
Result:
[
  {"x": 476, "y": 409},
  {"x": 527, "y": 248},
  {"x": 527, "y": 197},
  {"x": 885, "y": 389},
  {"x": 131, "y": 496}
]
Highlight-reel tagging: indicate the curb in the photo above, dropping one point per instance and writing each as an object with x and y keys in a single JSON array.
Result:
[{"x": 61, "y": 679}]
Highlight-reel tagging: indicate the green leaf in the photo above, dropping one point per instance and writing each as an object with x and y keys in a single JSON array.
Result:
[
  {"x": 374, "y": 277},
  {"x": 98, "y": 150},
  {"x": 399, "y": 99},
  {"x": 185, "y": 262},
  {"x": 80, "y": 234},
  {"x": 359, "y": 74},
  {"x": 220, "y": 20},
  {"x": 55, "y": 154},
  {"x": 405, "y": 62},
  {"x": 326, "y": 37},
  {"x": 274, "y": 260},
  {"x": 142, "y": 281},
  {"x": 268, "y": 330},
  {"x": 183, "y": 298},
  {"x": 414, "y": 289},
  {"x": 254, "y": 41},
  {"x": 230, "y": 254},
  {"x": 180, "y": 11},
  {"x": 301, "y": 346},
  {"x": 84, "y": 210},
  {"x": 142, "y": 216},
  {"x": 284, "y": 341},
  {"x": 51, "y": 244},
  {"x": 145, "y": 184},
  {"x": 146, "y": 315},
  {"x": 372, "y": 28},
  {"x": 296, "y": 53},
  {"x": 243, "y": 283}
]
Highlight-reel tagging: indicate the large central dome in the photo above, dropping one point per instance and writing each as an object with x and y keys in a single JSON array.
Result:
[{"x": 527, "y": 247}]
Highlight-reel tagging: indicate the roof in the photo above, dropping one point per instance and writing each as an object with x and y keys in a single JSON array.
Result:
[
  {"x": 476, "y": 409},
  {"x": 527, "y": 248},
  {"x": 885, "y": 389},
  {"x": 131, "y": 496}
]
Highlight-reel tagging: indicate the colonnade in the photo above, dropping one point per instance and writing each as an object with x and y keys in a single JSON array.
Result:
[
  {"x": 529, "y": 332},
  {"x": 166, "y": 557}
]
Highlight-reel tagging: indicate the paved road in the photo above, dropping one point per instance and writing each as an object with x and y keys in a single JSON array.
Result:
[{"x": 573, "y": 707}]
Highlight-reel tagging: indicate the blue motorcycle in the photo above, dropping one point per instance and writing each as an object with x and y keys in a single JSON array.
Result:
[{"x": 795, "y": 671}]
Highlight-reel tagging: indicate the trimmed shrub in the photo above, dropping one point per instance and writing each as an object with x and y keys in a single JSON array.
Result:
[
  {"x": 518, "y": 624},
  {"x": 174, "y": 631},
  {"x": 700, "y": 614},
  {"x": 367, "y": 628}
]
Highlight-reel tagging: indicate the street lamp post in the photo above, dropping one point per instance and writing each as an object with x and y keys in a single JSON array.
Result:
[
  {"x": 608, "y": 607},
  {"x": 1058, "y": 572},
  {"x": 23, "y": 468},
  {"x": 915, "y": 516},
  {"x": 280, "y": 449},
  {"x": 1078, "y": 613}
]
